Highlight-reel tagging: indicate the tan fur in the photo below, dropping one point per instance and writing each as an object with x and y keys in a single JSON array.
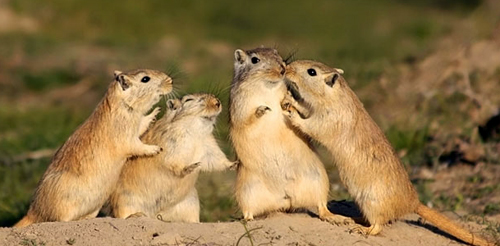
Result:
[
  {"x": 163, "y": 186},
  {"x": 279, "y": 169},
  {"x": 330, "y": 112},
  {"x": 85, "y": 169}
]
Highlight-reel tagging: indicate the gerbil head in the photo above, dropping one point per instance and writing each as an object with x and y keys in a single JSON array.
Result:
[
  {"x": 312, "y": 81},
  {"x": 206, "y": 106},
  {"x": 142, "y": 88},
  {"x": 260, "y": 63}
]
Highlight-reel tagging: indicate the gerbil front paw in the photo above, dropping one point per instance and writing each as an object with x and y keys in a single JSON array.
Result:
[
  {"x": 152, "y": 115},
  {"x": 148, "y": 120},
  {"x": 288, "y": 101},
  {"x": 234, "y": 165},
  {"x": 289, "y": 111},
  {"x": 189, "y": 169},
  {"x": 261, "y": 111},
  {"x": 151, "y": 150}
]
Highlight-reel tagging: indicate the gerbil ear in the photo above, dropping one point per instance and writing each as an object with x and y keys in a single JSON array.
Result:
[
  {"x": 240, "y": 56},
  {"x": 120, "y": 78},
  {"x": 339, "y": 70},
  {"x": 117, "y": 72},
  {"x": 330, "y": 80}
]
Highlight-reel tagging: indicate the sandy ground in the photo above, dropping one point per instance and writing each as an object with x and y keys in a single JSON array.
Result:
[{"x": 277, "y": 229}]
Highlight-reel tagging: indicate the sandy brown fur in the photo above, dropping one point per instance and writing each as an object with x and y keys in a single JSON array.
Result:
[
  {"x": 279, "y": 169},
  {"x": 163, "y": 186},
  {"x": 368, "y": 165},
  {"x": 84, "y": 170}
]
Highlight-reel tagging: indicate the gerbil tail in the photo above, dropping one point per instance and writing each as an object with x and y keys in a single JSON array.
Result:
[
  {"x": 448, "y": 226},
  {"x": 25, "y": 221}
]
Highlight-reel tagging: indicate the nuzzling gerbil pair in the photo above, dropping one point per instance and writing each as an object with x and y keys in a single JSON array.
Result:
[
  {"x": 279, "y": 169},
  {"x": 84, "y": 171},
  {"x": 321, "y": 105},
  {"x": 162, "y": 186}
]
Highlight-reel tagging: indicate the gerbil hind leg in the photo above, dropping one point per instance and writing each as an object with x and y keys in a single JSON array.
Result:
[
  {"x": 136, "y": 215},
  {"x": 247, "y": 216},
  {"x": 123, "y": 212},
  {"x": 90, "y": 215},
  {"x": 336, "y": 219},
  {"x": 373, "y": 230},
  {"x": 147, "y": 120},
  {"x": 254, "y": 199},
  {"x": 187, "y": 210}
]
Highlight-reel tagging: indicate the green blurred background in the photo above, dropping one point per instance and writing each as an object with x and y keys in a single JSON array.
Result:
[{"x": 57, "y": 58}]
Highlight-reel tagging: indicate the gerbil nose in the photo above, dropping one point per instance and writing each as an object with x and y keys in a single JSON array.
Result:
[{"x": 217, "y": 103}]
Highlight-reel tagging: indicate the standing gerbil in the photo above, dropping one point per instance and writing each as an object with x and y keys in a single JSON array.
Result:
[
  {"x": 163, "y": 186},
  {"x": 85, "y": 169},
  {"x": 324, "y": 107},
  {"x": 279, "y": 169}
]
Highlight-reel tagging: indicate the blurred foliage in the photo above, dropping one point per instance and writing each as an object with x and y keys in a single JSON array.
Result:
[{"x": 84, "y": 41}]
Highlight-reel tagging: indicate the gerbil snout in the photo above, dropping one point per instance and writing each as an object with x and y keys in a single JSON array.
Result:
[
  {"x": 213, "y": 101},
  {"x": 168, "y": 80},
  {"x": 167, "y": 85},
  {"x": 213, "y": 107}
]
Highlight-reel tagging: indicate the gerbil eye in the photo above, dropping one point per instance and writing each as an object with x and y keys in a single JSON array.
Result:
[
  {"x": 311, "y": 72},
  {"x": 189, "y": 99},
  {"x": 255, "y": 60},
  {"x": 145, "y": 79}
]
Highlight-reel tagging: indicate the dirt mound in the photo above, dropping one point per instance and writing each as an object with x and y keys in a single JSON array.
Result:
[{"x": 279, "y": 229}]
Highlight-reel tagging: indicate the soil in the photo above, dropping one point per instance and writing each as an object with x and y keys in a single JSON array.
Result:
[{"x": 276, "y": 229}]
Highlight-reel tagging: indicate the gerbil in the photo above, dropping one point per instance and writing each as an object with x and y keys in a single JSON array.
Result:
[
  {"x": 85, "y": 169},
  {"x": 163, "y": 186},
  {"x": 279, "y": 169},
  {"x": 330, "y": 112}
]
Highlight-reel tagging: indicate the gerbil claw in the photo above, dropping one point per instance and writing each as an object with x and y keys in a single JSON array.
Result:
[
  {"x": 358, "y": 230},
  {"x": 366, "y": 231}
]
